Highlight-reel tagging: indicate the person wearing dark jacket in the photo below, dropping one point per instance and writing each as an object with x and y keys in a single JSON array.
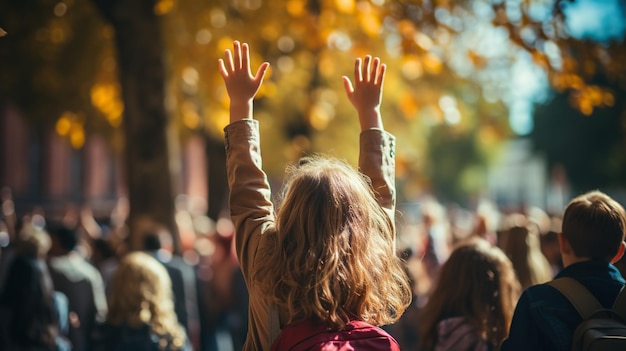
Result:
[
  {"x": 592, "y": 238},
  {"x": 30, "y": 312}
]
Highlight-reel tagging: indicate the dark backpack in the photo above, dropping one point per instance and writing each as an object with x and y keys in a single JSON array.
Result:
[
  {"x": 602, "y": 329},
  {"x": 312, "y": 336}
]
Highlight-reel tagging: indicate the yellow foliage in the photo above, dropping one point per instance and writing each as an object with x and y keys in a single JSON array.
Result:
[
  {"x": 432, "y": 114},
  {"x": 423, "y": 41},
  {"x": 58, "y": 34},
  {"x": 100, "y": 93},
  {"x": 327, "y": 19},
  {"x": 70, "y": 124},
  {"x": 219, "y": 119},
  {"x": 487, "y": 135},
  {"x": 345, "y": 6},
  {"x": 320, "y": 115},
  {"x": 594, "y": 94},
  {"x": 290, "y": 152},
  {"x": 327, "y": 66},
  {"x": 77, "y": 136},
  {"x": 270, "y": 32},
  {"x": 191, "y": 119},
  {"x": 105, "y": 97},
  {"x": 268, "y": 89},
  {"x": 222, "y": 96},
  {"x": 116, "y": 120},
  {"x": 225, "y": 42},
  {"x": 573, "y": 81},
  {"x": 412, "y": 67},
  {"x": 432, "y": 63},
  {"x": 569, "y": 64},
  {"x": 217, "y": 18},
  {"x": 370, "y": 24},
  {"x": 301, "y": 142},
  {"x": 401, "y": 167},
  {"x": 64, "y": 123},
  {"x": 296, "y": 8},
  {"x": 406, "y": 28},
  {"x": 608, "y": 99},
  {"x": 589, "y": 67},
  {"x": 541, "y": 59},
  {"x": 476, "y": 59},
  {"x": 190, "y": 76},
  {"x": 559, "y": 81},
  {"x": 163, "y": 7},
  {"x": 585, "y": 107},
  {"x": 408, "y": 106}
]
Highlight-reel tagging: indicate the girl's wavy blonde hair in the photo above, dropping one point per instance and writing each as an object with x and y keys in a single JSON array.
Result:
[
  {"x": 334, "y": 255},
  {"x": 476, "y": 282},
  {"x": 141, "y": 294}
]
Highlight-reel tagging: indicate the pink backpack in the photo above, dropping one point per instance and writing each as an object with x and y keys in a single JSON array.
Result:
[{"x": 312, "y": 336}]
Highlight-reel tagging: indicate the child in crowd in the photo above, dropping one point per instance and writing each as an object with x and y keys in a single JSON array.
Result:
[
  {"x": 472, "y": 304},
  {"x": 31, "y": 312},
  {"x": 141, "y": 309},
  {"x": 520, "y": 241},
  {"x": 327, "y": 254},
  {"x": 592, "y": 239}
]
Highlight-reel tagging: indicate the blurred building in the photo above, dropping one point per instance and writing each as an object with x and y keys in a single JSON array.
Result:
[
  {"x": 521, "y": 177},
  {"x": 42, "y": 169}
]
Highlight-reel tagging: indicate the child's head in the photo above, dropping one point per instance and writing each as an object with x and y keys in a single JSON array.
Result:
[
  {"x": 594, "y": 224},
  {"x": 335, "y": 257},
  {"x": 476, "y": 282},
  {"x": 520, "y": 241},
  {"x": 141, "y": 294}
]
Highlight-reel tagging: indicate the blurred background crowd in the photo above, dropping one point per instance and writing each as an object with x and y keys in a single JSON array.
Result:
[{"x": 83, "y": 267}]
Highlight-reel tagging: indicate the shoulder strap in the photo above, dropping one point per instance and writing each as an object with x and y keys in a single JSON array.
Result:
[
  {"x": 620, "y": 304},
  {"x": 584, "y": 302}
]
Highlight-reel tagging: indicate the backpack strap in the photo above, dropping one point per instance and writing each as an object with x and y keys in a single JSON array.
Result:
[
  {"x": 584, "y": 302},
  {"x": 620, "y": 304}
]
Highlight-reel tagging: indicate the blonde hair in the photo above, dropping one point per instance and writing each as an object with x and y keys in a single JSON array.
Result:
[
  {"x": 141, "y": 294},
  {"x": 521, "y": 242},
  {"x": 34, "y": 241},
  {"x": 334, "y": 253},
  {"x": 477, "y": 282}
]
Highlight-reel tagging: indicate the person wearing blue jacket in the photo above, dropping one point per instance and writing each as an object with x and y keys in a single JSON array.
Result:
[{"x": 592, "y": 239}]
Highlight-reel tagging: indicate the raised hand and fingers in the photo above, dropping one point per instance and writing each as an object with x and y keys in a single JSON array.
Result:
[
  {"x": 369, "y": 74},
  {"x": 235, "y": 69},
  {"x": 366, "y": 92}
]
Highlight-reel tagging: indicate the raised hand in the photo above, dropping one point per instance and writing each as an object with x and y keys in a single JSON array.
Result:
[
  {"x": 241, "y": 85},
  {"x": 366, "y": 94}
]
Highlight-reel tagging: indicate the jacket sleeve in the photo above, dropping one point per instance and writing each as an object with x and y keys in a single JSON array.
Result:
[
  {"x": 377, "y": 161},
  {"x": 250, "y": 203}
]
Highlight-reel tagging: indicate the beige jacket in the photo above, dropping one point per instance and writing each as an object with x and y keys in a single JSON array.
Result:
[{"x": 252, "y": 211}]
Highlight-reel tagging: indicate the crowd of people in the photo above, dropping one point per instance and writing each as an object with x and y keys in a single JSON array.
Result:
[
  {"x": 331, "y": 256},
  {"x": 69, "y": 282}
]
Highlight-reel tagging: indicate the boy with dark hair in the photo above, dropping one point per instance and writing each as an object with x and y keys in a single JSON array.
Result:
[{"x": 592, "y": 239}]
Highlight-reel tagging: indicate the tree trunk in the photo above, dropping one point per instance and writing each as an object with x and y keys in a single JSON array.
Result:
[
  {"x": 149, "y": 177},
  {"x": 217, "y": 179}
]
